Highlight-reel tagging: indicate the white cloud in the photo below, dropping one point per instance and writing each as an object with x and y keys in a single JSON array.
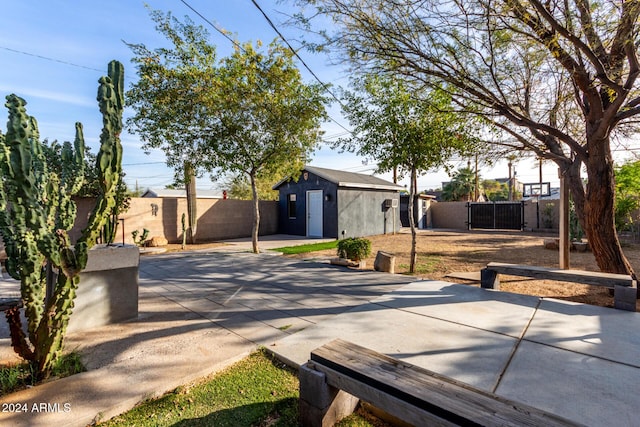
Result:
[{"x": 60, "y": 97}]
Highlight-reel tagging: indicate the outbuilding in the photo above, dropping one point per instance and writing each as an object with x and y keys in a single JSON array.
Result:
[
  {"x": 337, "y": 204},
  {"x": 421, "y": 211}
]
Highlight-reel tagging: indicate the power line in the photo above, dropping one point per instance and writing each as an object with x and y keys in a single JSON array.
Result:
[
  {"x": 323, "y": 84},
  {"x": 50, "y": 59},
  {"x": 215, "y": 27},
  {"x": 236, "y": 44}
]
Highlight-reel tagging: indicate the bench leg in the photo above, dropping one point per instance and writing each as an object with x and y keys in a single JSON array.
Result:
[
  {"x": 489, "y": 279},
  {"x": 624, "y": 298},
  {"x": 322, "y": 405}
]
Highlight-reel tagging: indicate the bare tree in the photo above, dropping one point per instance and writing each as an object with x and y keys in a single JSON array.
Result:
[{"x": 557, "y": 78}]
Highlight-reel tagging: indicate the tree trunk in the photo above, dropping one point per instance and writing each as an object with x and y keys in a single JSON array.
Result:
[
  {"x": 576, "y": 188},
  {"x": 190, "y": 185},
  {"x": 256, "y": 214},
  {"x": 599, "y": 206},
  {"x": 412, "y": 221}
]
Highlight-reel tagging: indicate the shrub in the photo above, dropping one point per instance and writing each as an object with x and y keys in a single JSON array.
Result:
[
  {"x": 140, "y": 241},
  {"x": 354, "y": 248}
]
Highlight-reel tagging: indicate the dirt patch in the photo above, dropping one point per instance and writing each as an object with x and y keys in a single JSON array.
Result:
[{"x": 441, "y": 253}]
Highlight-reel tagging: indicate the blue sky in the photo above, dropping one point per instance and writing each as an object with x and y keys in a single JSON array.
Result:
[{"x": 52, "y": 54}]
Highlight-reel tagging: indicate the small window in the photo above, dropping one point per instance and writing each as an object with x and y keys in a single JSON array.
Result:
[{"x": 291, "y": 205}]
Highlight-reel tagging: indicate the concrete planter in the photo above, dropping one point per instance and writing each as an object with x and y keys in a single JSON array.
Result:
[{"x": 108, "y": 289}]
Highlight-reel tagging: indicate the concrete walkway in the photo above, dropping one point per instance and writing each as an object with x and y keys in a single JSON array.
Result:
[{"x": 200, "y": 312}]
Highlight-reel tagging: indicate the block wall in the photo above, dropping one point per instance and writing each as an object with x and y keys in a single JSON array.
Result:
[{"x": 217, "y": 218}]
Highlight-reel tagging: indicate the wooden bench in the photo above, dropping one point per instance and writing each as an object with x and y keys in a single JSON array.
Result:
[
  {"x": 624, "y": 288},
  {"x": 341, "y": 372}
]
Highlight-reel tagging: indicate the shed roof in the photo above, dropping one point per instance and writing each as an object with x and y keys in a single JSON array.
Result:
[{"x": 348, "y": 179}]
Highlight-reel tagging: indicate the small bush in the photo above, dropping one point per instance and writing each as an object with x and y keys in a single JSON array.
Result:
[{"x": 354, "y": 248}]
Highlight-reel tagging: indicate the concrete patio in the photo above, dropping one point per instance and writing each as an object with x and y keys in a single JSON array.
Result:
[
  {"x": 200, "y": 312},
  {"x": 577, "y": 361}
]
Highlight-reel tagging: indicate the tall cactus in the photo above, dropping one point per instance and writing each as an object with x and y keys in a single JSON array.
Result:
[{"x": 36, "y": 213}]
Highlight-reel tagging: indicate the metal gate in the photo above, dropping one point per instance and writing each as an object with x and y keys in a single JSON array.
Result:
[{"x": 496, "y": 215}]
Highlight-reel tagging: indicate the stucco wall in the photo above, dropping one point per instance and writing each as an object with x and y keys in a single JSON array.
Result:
[
  {"x": 217, "y": 218},
  {"x": 548, "y": 211},
  {"x": 449, "y": 215},
  {"x": 362, "y": 212}
]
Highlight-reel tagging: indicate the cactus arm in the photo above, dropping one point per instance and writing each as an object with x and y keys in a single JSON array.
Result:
[
  {"x": 21, "y": 239},
  {"x": 26, "y": 166},
  {"x": 72, "y": 177},
  {"x": 109, "y": 160}
]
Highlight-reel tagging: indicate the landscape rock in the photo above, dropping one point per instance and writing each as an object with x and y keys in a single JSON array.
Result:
[
  {"x": 157, "y": 241},
  {"x": 385, "y": 262},
  {"x": 551, "y": 244},
  {"x": 344, "y": 262}
]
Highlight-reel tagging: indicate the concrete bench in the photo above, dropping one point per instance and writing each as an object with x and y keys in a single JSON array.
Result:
[
  {"x": 9, "y": 303},
  {"x": 340, "y": 373},
  {"x": 624, "y": 287}
]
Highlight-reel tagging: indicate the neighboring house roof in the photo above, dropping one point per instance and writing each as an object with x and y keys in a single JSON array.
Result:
[
  {"x": 421, "y": 196},
  {"x": 348, "y": 179},
  {"x": 181, "y": 193}
]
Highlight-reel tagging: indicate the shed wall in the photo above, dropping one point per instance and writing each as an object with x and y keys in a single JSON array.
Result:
[
  {"x": 362, "y": 212},
  {"x": 298, "y": 225}
]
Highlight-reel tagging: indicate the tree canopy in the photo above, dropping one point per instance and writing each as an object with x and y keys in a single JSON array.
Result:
[
  {"x": 176, "y": 88},
  {"x": 239, "y": 187},
  {"x": 403, "y": 130},
  {"x": 267, "y": 120},
  {"x": 627, "y": 193},
  {"x": 557, "y": 78},
  {"x": 461, "y": 187},
  {"x": 494, "y": 190},
  {"x": 249, "y": 115}
]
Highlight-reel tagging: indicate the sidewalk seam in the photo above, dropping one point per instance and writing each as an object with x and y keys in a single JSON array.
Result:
[{"x": 516, "y": 346}]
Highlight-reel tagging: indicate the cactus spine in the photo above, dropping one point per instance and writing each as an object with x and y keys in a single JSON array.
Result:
[{"x": 36, "y": 213}]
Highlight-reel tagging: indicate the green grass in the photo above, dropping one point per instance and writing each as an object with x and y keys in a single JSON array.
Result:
[
  {"x": 311, "y": 247},
  {"x": 17, "y": 377},
  {"x": 257, "y": 391},
  {"x": 425, "y": 264}
]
